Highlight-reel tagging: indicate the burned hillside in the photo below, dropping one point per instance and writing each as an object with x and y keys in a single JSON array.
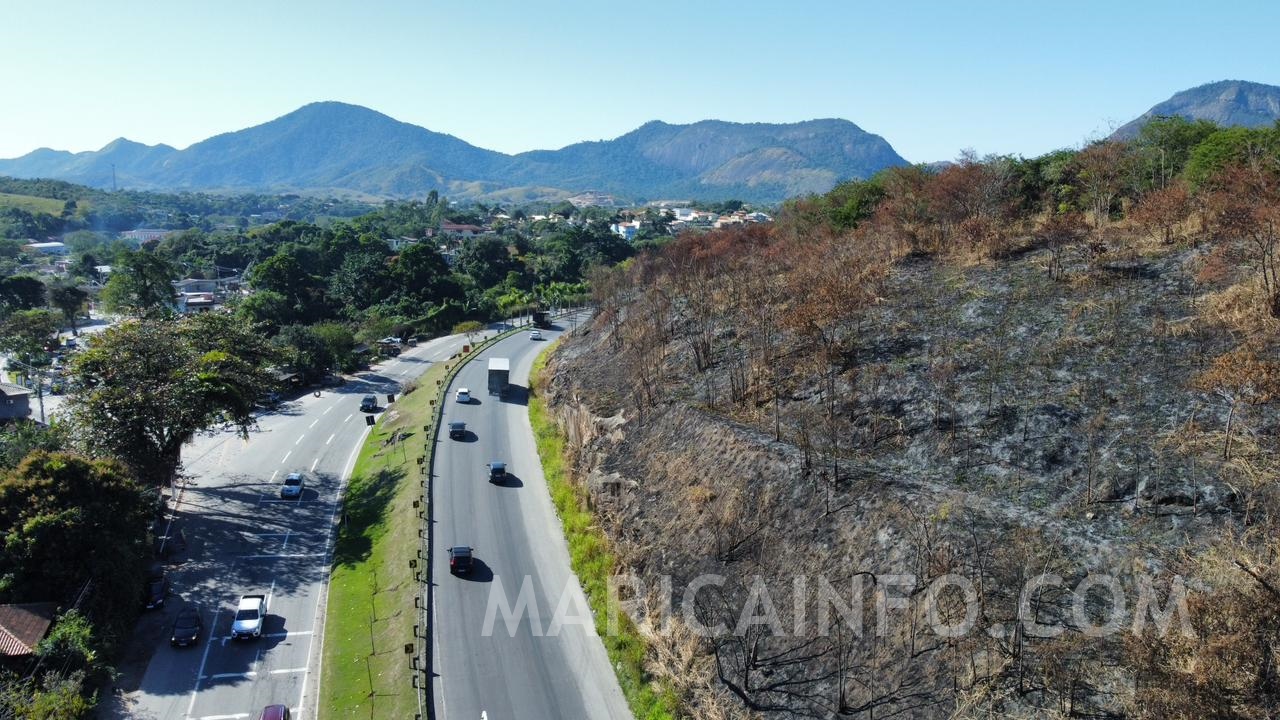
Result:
[{"x": 951, "y": 459}]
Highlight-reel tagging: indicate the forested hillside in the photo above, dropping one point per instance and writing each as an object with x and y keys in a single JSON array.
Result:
[{"x": 998, "y": 440}]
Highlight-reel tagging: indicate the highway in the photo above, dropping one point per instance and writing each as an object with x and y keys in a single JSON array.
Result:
[
  {"x": 244, "y": 539},
  {"x": 544, "y": 661}
]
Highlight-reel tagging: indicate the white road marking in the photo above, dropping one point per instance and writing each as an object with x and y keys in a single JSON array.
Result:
[
  {"x": 322, "y": 596},
  {"x": 224, "y": 676},
  {"x": 295, "y": 442},
  {"x": 349, "y": 417},
  {"x": 274, "y": 474},
  {"x": 326, "y": 410},
  {"x": 313, "y": 423},
  {"x": 270, "y": 593},
  {"x": 200, "y": 673},
  {"x": 288, "y": 670},
  {"x": 286, "y": 457},
  {"x": 223, "y": 717},
  {"x": 285, "y": 544},
  {"x": 313, "y": 469},
  {"x": 331, "y": 437},
  {"x": 280, "y": 555}
]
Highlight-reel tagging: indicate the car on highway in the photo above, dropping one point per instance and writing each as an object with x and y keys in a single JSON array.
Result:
[
  {"x": 497, "y": 472},
  {"x": 275, "y": 712},
  {"x": 369, "y": 403},
  {"x": 535, "y": 334},
  {"x": 250, "y": 613},
  {"x": 457, "y": 430},
  {"x": 460, "y": 560},
  {"x": 186, "y": 628},
  {"x": 463, "y": 396},
  {"x": 156, "y": 589},
  {"x": 293, "y": 484}
]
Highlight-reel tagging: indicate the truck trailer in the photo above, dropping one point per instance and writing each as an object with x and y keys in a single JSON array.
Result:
[
  {"x": 542, "y": 319},
  {"x": 499, "y": 376}
]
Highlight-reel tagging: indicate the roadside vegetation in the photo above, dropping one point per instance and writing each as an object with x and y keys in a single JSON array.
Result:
[{"x": 593, "y": 561}]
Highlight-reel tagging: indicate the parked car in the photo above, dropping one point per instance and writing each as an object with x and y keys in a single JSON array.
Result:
[
  {"x": 460, "y": 560},
  {"x": 535, "y": 334},
  {"x": 369, "y": 403},
  {"x": 186, "y": 628},
  {"x": 293, "y": 484},
  {"x": 457, "y": 430},
  {"x": 275, "y": 712},
  {"x": 463, "y": 396},
  {"x": 497, "y": 472},
  {"x": 156, "y": 589}
]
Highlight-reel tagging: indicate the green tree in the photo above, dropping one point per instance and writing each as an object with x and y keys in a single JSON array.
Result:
[
  {"x": 304, "y": 351},
  {"x": 141, "y": 285},
  {"x": 70, "y": 300},
  {"x": 338, "y": 341},
  {"x": 267, "y": 309},
  {"x": 150, "y": 385},
  {"x": 71, "y": 521},
  {"x": 25, "y": 333},
  {"x": 486, "y": 260},
  {"x": 362, "y": 281},
  {"x": 18, "y": 440},
  {"x": 21, "y": 292}
]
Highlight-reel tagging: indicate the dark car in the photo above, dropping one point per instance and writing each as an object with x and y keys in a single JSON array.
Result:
[
  {"x": 369, "y": 403},
  {"x": 275, "y": 712},
  {"x": 457, "y": 430},
  {"x": 156, "y": 590},
  {"x": 497, "y": 472},
  {"x": 460, "y": 560},
  {"x": 186, "y": 628}
]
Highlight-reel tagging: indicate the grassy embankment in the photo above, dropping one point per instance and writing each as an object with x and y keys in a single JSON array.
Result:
[
  {"x": 593, "y": 562},
  {"x": 31, "y": 203}
]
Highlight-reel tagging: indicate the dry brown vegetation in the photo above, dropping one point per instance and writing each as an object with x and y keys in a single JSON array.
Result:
[{"x": 957, "y": 385}]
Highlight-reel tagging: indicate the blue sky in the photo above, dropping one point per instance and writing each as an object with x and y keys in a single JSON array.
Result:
[{"x": 933, "y": 78}]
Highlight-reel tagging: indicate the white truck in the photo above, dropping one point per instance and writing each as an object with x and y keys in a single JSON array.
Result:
[
  {"x": 249, "y": 616},
  {"x": 499, "y": 376}
]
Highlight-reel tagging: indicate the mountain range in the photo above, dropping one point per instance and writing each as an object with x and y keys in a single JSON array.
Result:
[
  {"x": 1227, "y": 102},
  {"x": 339, "y": 148}
]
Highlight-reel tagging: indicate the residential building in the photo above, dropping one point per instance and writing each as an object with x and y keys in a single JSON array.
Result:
[
  {"x": 15, "y": 402},
  {"x": 22, "y": 627},
  {"x": 144, "y": 235},
  {"x": 48, "y": 248}
]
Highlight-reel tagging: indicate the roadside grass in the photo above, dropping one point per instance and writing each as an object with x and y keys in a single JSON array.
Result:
[
  {"x": 31, "y": 203},
  {"x": 370, "y": 613},
  {"x": 593, "y": 561}
]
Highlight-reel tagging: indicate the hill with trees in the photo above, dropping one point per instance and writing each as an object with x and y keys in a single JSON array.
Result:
[
  {"x": 1226, "y": 103},
  {"x": 992, "y": 440},
  {"x": 333, "y": 148}
]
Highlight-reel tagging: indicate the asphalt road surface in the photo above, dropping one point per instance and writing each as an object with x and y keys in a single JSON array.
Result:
[
  {"x": 514, "y": 638},
  {"x": 243, "y": 538}
]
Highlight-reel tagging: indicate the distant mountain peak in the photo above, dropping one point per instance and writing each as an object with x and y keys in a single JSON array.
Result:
[
  {"x": 1225, "y": 102},
  {"x": 329, "y": 146}
]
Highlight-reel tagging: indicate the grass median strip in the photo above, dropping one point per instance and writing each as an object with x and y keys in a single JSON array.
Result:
[
  {"x": 592, "y": 557},
  {"x": 371, "y": 612}
]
